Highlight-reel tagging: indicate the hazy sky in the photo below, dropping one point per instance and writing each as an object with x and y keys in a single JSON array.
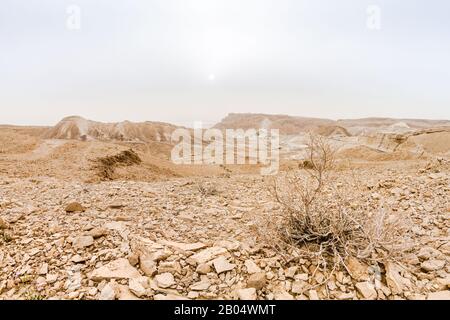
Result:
[{"x": 197, "y": 60}]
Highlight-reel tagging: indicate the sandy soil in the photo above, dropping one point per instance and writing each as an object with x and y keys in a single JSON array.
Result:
[{"x": 154, "y": 230}]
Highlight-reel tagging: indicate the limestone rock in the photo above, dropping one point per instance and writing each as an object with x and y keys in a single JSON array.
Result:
[
  {"x": 283, "y": 295},
  {"x": 357, "y": 270},
  {"x": 3, "y": 224},
  {"x": 221, "y": 265},
  {"x": 169, "y": 297},
  {"x": 313, "y": 295},
  {"x": 148, "y": 266},
  {"x": 165, "y": 280},
  {"x": 247, "y": 294},
  {"x": 43, "y": 270},
  {"x": 169, "y": 266},
  {"x": 367, "y": 290},
  {"x": 394, "y": 280},
  {"x": 138, "y": 286},
  {"x": 203, "y": 268},
  {"x": 252, "y": 267},
  {"x": 51, "y": 278},
  {"x": 441, "y": 295},
  {"x": 345, "y": 296},
  {"x": 257, "y": 281},
  {"x": 133, "y": 259},
  {"x": 201, "y": 286},
  {"x": 107, "y": 293},
  {"x": 427, "y": 252},
  {"x": 298, "y": 286},
  {"x": 82, "y": 242},
  {"x": 433, "y": 265},
  {"x": 206, "y": 255},
  {"x": 74, "y": 207},
  {"x": 183, "y": 246},
  {"x": 229, "y": 245},
  {"x": 290, "y": 273},
  {"x": 115, "y": 225},
  {"x": 444, "y": 282},
  {"x": 417, "y": 297},
  {"x": 77, "y": 259},
  {"x": 124, "y": 293},
  {"x": 118, "y": 269},
  {"x": 97, "y": 232},
  {"x": 116, "y": 205}
]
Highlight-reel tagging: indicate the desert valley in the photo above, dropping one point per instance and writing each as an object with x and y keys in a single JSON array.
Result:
[{"x": 92, "y": 210}]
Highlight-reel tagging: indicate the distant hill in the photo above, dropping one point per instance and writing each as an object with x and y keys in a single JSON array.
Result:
[
  {"x": 286, "y": 124},
  {"x": 78, "y": 128},
  {"x": 289, "y": 125},
  {"x": 385, "y": 122}
]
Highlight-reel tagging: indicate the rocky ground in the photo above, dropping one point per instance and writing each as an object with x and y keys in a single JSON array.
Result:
[{"x": 196, "y": 238}]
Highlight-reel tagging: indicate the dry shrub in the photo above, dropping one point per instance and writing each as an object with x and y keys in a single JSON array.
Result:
[
  {"x": 106, "y": 165},
  {"x": 5, "y": 236},
  {"x": 207, "y": 189},
  {"x": 436, "y": 165},
  {"x": 321, "y": 218}
]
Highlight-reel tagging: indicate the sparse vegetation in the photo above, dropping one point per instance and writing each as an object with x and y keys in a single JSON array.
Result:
[
  {"x": 5, "y": 236},
  {"x": 227, "y": 172},
  {"x": 207, "y": 189},
  {"x": 319, "y": 220},
  {"x": 26, "y": 278},
  {"x": 33, "y": 296}
]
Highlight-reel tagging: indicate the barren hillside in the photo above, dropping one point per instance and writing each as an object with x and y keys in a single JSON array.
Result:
[
  {"x": 81, "y": 129},
  {"x": 386, "y": 122},
  {"x": 286, "y": 124}
]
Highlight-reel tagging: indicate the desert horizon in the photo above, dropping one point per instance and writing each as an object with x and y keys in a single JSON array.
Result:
[
  {"x": 198, "y": 229},
  {"x": 372, "y": 117}
]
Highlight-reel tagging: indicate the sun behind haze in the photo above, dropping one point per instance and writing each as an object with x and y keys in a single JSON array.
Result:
[{"x": 182, "y": 61}]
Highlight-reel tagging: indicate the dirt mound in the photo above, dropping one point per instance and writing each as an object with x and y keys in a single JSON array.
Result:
[
  {"x": 107, "y": 165},
  {"x": 145, "y": 162},
  {"x": 78, "y": 128}
]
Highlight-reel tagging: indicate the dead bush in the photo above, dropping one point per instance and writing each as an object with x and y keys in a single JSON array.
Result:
[
  {"x": 5, "y": 236},
  {"x": 322, "y": 218},
  {"x": 436, "y": 165},
  {"x": 207, "y": 189}
]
